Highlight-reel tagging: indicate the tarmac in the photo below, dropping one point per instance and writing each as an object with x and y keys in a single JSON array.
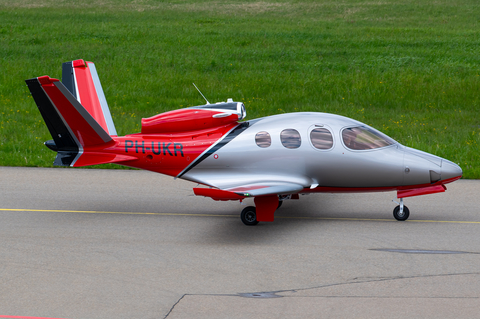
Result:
[{"x": 89, "y": 243}]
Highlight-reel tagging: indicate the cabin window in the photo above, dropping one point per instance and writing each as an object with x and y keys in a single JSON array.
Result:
[
  {"x": 263, "y": 139},
  {"x": 290, "y": 138},
  {"x": 321, "y": 138},
  {"x": 364, "y": 138}
]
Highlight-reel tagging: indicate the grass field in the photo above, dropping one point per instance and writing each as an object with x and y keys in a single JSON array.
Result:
[{"x": 409, "y": 68}]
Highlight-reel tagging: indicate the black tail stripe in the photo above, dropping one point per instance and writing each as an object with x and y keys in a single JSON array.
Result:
[
  {"x": 67, "y": 77},
  {"x": 234, "y": 133},
  {"x": 57, "y": 128}
]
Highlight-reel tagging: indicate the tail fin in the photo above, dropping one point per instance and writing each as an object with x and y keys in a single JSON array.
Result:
[
  {"x": 72, "y": 127},
  {"x": 82, "y": 80}
]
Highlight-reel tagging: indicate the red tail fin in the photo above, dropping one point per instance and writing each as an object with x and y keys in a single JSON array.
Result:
[
  {"x": 73, "y": 128},
  {"x": 82, "y": 80},
  {"x": 84, "y": 127}
]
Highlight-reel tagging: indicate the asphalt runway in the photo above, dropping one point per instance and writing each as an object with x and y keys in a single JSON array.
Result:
[{"x": 84, "y": 243}]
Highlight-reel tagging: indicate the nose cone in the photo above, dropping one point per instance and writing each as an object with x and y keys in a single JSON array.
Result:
[
  {"x": 424, "y": 168},
  {"x": 450, "y": 171}
]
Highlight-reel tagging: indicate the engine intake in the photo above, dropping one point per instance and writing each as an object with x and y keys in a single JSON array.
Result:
[{"x": 194, "y": 118}]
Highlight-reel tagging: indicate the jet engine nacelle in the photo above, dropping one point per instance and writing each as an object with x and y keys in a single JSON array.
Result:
[{"x": 194, "y": 118}]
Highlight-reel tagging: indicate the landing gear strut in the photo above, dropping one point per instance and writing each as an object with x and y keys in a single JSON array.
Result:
[
  {"x": 280, "y": 202},
  {"x": 401, "y": 212},
  {"x": 281, "y": 198}
]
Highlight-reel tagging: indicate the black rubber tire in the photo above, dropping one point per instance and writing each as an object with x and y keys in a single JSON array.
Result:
[
  {"x": 249, "y": 216},
  {"x": 280, "y": 202},
  {"x": 401, "y": 217}
]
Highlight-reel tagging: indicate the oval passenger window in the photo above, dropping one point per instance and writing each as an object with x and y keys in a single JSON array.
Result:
[
  {"x": 290, "y": 138},
  {"x": 321, "y": 138},
  {"x": 263, "y": 139}
]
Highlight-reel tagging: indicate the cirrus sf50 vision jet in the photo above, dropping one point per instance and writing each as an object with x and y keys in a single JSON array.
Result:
[{"x": 270, "y": 159}]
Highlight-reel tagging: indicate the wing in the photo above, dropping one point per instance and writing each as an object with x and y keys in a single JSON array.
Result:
[{"x": 250, "y": 190}]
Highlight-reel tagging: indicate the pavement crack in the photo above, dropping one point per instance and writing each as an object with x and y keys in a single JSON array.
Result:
[
  {"x": 356, "y": 281},
  {"x": 171, "y": 309},
  {"x": 274, "y": 293},
  {"x": 423, "y": 251}
]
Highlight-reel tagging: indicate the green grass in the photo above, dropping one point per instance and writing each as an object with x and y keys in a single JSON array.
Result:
[{"x": 409, "y": 68}]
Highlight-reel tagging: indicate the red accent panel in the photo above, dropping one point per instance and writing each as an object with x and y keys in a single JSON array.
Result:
[
  {"x": 79, "y": 126},
  {"x": 88, "y": 93},
  {"x": 266, "y": 207},
  {"x": 453, "y": 179},
  {"x": 46, "y": 80},
  {"x": 246, "y": 189},
  {"x": 96, "y": 158},
  {"x": 295, "y": 196},
  {"x": 217, "y": 194},
  {"x": 78, "y": 63},
  {"x": 184, "y": 120},
  {"x": 421, "y": 191}
]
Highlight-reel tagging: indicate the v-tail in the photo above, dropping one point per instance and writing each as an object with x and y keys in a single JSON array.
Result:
[{"x": 80, "y": 132}]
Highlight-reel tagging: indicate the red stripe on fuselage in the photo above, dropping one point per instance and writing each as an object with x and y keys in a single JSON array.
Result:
[{"x": 246, "y": 189}]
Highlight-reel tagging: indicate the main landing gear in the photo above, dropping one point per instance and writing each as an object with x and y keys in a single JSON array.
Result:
[
  {"x": 266, "y": 206},
  {"x": 401, "y": 212}
]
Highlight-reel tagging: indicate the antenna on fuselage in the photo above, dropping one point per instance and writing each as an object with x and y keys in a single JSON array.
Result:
[{"x": 201, "y": 93}]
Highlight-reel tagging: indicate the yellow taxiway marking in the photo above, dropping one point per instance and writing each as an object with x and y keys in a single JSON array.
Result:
[
  {"x": 218, "y": 215},
  {"x": 100, "y": 212}
]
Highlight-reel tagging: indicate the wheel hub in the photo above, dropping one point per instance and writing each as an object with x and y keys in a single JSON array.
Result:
[{"x": 250, "y": 217}]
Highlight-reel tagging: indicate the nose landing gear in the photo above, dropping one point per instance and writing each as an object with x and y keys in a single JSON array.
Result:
[{"x": 401, "y": 212}]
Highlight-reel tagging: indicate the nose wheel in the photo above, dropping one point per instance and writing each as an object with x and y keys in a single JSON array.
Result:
[
  {"x": 249, "y": 216},
  {"x": 401, "y": 212}
]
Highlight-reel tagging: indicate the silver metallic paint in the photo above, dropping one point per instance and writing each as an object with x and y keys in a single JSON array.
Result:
[
  {"x": 101, "y": 98},
  {"x": 242, "y": 162}
]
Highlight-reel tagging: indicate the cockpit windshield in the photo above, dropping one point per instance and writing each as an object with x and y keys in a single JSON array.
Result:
[{"x": 364, "y": 138}]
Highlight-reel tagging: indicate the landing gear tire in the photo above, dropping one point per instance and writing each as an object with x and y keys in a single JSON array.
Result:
[
  {"x": 249, "y": 216},
  {"x": 401, "y": 216}
]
